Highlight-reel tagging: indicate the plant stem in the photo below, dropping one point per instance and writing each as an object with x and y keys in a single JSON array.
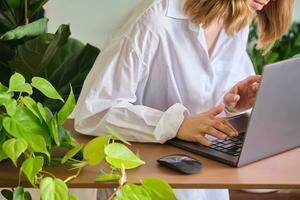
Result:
[
  {"x": 20, "y": 174},
  {"x": 45, "y": 172},
  {"x": 114, "y": 193},
  {"x": 74, "y": 160},
  {"x": 26, "y": 12},
  {"x": 74, "y": 176}
]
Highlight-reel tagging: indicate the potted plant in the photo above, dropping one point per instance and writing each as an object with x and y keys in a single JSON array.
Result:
[
  {"x": 27, "y": 48},
  {"x": 285, "y": 48},
  {"x": 29, "y": 131}
]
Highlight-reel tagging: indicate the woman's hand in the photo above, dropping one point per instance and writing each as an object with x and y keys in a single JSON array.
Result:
[
  {"x": 194, "y": 128},
  {"x": 242, "y": 96}
]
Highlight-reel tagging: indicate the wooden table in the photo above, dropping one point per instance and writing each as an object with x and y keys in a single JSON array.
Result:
[{"x": 278, "y": 172}]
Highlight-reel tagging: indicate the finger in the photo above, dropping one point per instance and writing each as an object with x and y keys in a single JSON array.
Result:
[
  {"x": 216, "y": 110},
  {"x": 231, "y": 99},
  {"x": 252, "y": 79},
  {"x": 224, "y": 121},
  {"x": 254, "y": 87},
  {"x": 214, "y": 132},
  {"x": 224, "y": 128},
  {"x": 202, "y": 140}
]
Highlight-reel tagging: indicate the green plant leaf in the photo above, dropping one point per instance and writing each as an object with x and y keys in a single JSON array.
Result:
[
  {"x": 17, "y": 84},
  {"x": 93, "y": 152},
  {"x": 45, "y": 113},
  {"x": 134, "y": 192},
  {"x": 67, "y": 109},
  {"x": 27, "y": 196},
  {"x": 13, "y": 148},
  {"x": 72, "y": 197},
  {"x": 31, "y": 166},
  {"x": 3, "y": 156},
  {"x": 158, "y": 189},
  {"x": 32, "y": 29},
  {"x": 103, "y": 177},
  {"x": 3, "y": 88},
  {"x": 37, "y": 144},
  {"x": 46, "y": 88},
  {"x": 32, "y": 106},
  {"x": 68, "y": 140},
  {"x": 14, "y": 3},
  {"x": 116, "y": 135},
  {"x": 69, "y": 61},
  {"x": 71, "y": 153},
  {"x": 8, "y": 194},
  {"x": 54, "y": 131},
  {"x": 23, "y": 124},
  {"x": 118, "y": 154},
  {"x": 35, "y": 7},
  {"x": 20, "y": 194},
  {"x": 9, "y": 103},
  {"x": 53, "y": 189}
]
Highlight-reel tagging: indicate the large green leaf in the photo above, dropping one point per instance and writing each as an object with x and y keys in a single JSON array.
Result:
[
  {"x": 67, "y": 109},
  {"x": 93, "y": 152},
  {"x": 14, "y": 3},
  {"x": 53, "y": 189},
  {"x": 46, "y": 88},
  {"x": 119, "y": 155},
  {"x": 8, "y": 194},
  {"x": 9, "y": 103},
  {"x": 158, "y": 189},
  {"x": 31, "y": 166},
  {"x": 20, "y": 194},
  {"x": 26, "y": 125},
  {"x": 72, "y": 197},
  {"x": 33, "y": 29},
  {"x": 32, "y": 106},
  {"x": 134, "y": 192},
  {"x": 7, "y": 17},
  {"x": 35, "y": 7},
  {"x": 17, "y": 84},
  {"x": 37, "y": 144},
  {"x": 13, "y": 148},
  {"x": 60, "y": 60}
]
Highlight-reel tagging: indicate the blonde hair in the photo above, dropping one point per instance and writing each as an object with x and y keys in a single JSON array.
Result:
[{"x": 273, "y": 21}]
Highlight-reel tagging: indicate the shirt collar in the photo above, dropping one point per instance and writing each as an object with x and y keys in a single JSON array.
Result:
[{"x": 175, "y": 9}]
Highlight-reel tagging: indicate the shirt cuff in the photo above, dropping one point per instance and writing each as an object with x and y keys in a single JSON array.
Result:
[{"x": 169, "y": 123}]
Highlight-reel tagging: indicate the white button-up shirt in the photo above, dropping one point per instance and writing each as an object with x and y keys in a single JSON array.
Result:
[{"x": 155, "y": 70}]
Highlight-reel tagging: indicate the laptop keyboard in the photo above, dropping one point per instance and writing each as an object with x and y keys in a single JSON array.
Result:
[{"x": 231, "y": 146}]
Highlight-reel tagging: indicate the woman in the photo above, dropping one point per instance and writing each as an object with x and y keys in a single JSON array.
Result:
[{"x": 173, "y": 67}]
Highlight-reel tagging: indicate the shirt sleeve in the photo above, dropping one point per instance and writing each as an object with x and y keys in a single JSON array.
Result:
[{"x": 109, "y": 93}]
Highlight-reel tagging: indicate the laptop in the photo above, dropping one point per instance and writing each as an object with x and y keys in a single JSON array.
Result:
[{"x": 272, "y": 127}]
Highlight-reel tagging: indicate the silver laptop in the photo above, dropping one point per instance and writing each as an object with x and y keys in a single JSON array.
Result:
[{"x": 273, "y": 126}]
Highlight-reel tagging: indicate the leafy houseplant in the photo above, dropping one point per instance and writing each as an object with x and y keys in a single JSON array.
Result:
[
  {"x": 30, "y": 130},
  {"x": 25, "y": 47},
  {"x": 285, "y": 48}
]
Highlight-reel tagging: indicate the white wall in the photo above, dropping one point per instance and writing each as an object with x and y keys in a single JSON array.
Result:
[
  {"x": 296, "y": 10},
  {"x": 92, "y": 20}
]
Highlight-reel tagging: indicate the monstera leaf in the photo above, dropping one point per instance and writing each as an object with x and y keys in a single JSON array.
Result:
[
  {"x": 59, "y": 59},
  {"x": 11, "y": 17}
]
